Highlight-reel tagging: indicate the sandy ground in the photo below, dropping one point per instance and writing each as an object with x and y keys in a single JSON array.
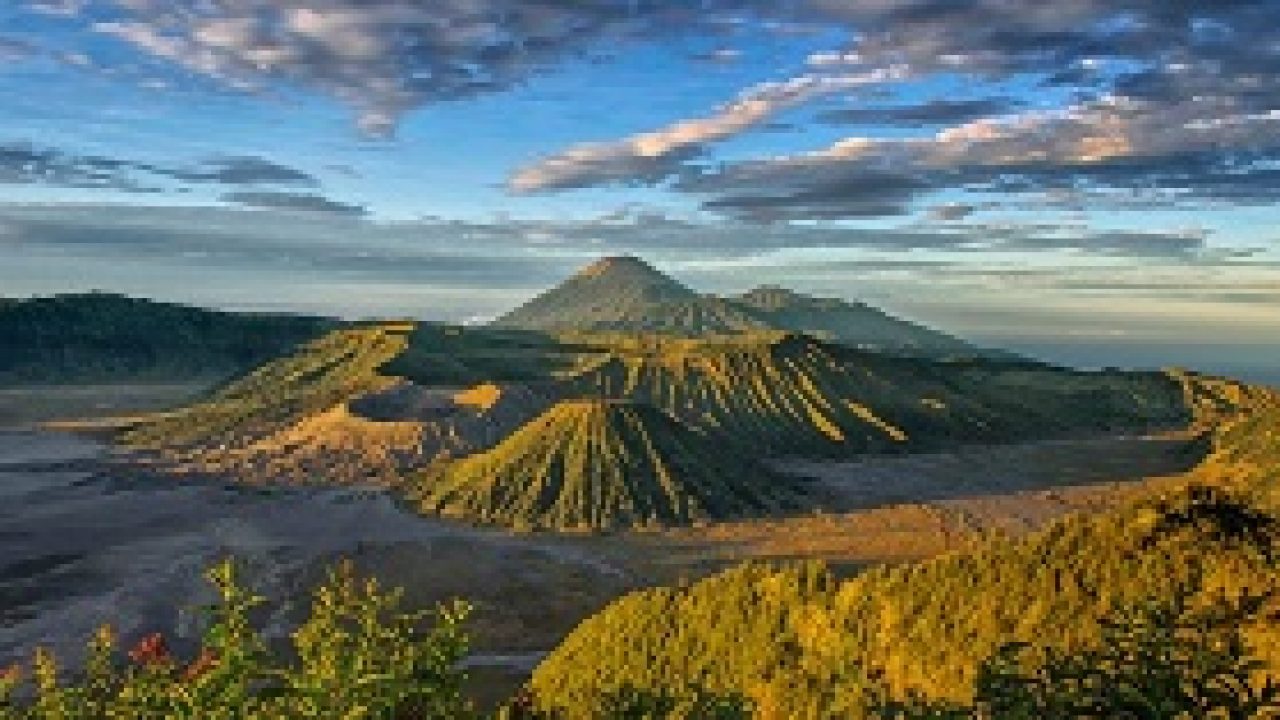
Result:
[
  {"x": 29, "y": 405},
  {"x": 80, "y": 547}
]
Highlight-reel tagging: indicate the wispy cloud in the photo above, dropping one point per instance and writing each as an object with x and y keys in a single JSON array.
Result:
[
  {"x": 303, "y": 202},
  {"x": 659, "y": 154},
  {"x": 251, "y": 181}
]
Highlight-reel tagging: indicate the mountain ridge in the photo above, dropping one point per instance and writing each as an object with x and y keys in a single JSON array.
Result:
[{"x": 626, "y": 294}]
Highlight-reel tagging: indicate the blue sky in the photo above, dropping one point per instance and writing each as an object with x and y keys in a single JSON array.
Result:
[{"x": 1092, "y": 181}]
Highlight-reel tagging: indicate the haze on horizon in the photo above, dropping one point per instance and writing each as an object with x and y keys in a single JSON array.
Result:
[{"x": 1092, "y": 182}]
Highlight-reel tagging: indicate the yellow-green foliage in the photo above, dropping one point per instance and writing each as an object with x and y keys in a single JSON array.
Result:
[
  {"x": 338, "y": 367},
  {"x": 795, "y": 395},
  {"x": 798, "y": 644},
  {"x": 598, "y": 464},
  {"x": 358, "y": 656}
]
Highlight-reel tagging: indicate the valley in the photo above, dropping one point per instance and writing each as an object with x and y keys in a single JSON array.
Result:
[
  {"x": 550, "y": 474},
  {"x": 87, "y": 547}
]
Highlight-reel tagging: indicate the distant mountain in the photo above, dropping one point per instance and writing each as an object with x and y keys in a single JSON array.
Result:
[
  {"x": 612, "y": 291},
  {"x": 103, "y": 337},
  {"x": 602, "y": 464},
  {"x": 856, "y": 324},
  {"x": 626, "y": 295}
]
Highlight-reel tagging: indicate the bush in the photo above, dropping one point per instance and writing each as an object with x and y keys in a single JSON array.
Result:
[{"x": 358, "y": 656}]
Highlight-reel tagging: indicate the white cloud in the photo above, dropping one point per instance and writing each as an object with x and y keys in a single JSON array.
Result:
[{"x": 627, "y": 159}]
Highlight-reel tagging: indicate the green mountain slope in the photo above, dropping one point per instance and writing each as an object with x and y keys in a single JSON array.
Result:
[
  {"x": 601, "y": 464},
  {"x": 798, "y": 643},
  {"x": 100, "y": 337},
  {"x": 339, "y": 367},
  {"x": 378, "y": 402},
  {"x": 793, "y": 395}
]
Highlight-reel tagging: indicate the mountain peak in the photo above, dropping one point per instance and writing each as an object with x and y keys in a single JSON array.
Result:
[
  {"x": 609, "y": 290},
  {"x": 617, "y": 263}
]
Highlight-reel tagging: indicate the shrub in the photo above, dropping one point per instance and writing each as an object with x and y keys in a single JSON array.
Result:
[{"x": 358, "y": 656}]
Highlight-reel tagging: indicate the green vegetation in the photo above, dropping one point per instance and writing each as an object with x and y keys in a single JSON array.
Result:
[
  {"x": 1159, "y": 660},
  {"x": 793, "y": 395},
  {"x": 454, "y": 355},
  {"x": 100, "y": 337},
  {"x": 358, "y": 656},
  {"x": 381, "y": 401},
  {"x": 601, "y": 464},
  {"x": 333, "y": 369},
  {"x": 797, "y": 643}
]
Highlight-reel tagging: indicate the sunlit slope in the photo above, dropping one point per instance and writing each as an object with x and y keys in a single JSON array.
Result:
[
  {"x": 291, "y": 420},
  {"x": 800, "y": 644},
  {"x": 795, "y": 395},
  {"x": 1243, "y": 436},
  {"x": 335, "y": 368},
  {"x": 600, "y": 464}
]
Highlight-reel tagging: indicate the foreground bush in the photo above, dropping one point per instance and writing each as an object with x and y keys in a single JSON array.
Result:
[{"x": 358, "y": 656}]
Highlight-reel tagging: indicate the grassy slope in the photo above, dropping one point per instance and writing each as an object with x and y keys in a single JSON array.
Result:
[
  {"x": 801, "y": 644},
  {"x": 326, "y": 372},
  {"x": 592, "y": 464},
  {"x": 753, "y": 396},
  {"x": 794, "y": 395},
  {"x": 99, "y": 337}
]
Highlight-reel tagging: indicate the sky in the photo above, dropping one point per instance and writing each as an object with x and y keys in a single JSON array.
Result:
[{"x": 1094, "y": 182}]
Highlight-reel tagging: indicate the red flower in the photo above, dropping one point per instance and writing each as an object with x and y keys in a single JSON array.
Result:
[
  {"x": 207, "y": 661},
  {"x": 10, "y": 674},
  {"x": 151, "y": 650}
]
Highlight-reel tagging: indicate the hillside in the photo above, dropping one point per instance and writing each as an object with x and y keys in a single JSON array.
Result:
[
  {"x": 626, "y": 295},
  {"x": 794, "y": 395},
  {"x": 101, "y": 337},
  {"x": 797, "y": 642},
  {"x": 855, "y": 324},
  {"x": 381, "y": 401},
  {"x": 601, "y": 464}
]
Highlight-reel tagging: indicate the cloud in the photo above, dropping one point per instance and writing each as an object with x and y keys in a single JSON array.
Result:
[
  {"x": 652, "y": 156},
  {"x": 932, "y": 112},
  {"x": 243, "y": 170},
  {"x": 14, "y": 49},
  {"x": 303, "y": 202},
  {"x": 23, "y": 163},
  {"x": 1096, "y": 147},
  {"x": 862, "y": 195},
  {"x": 27, "y": 164},
  {"x": 1155, "y": 83},
  {"x": 386, "y": 57}
]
